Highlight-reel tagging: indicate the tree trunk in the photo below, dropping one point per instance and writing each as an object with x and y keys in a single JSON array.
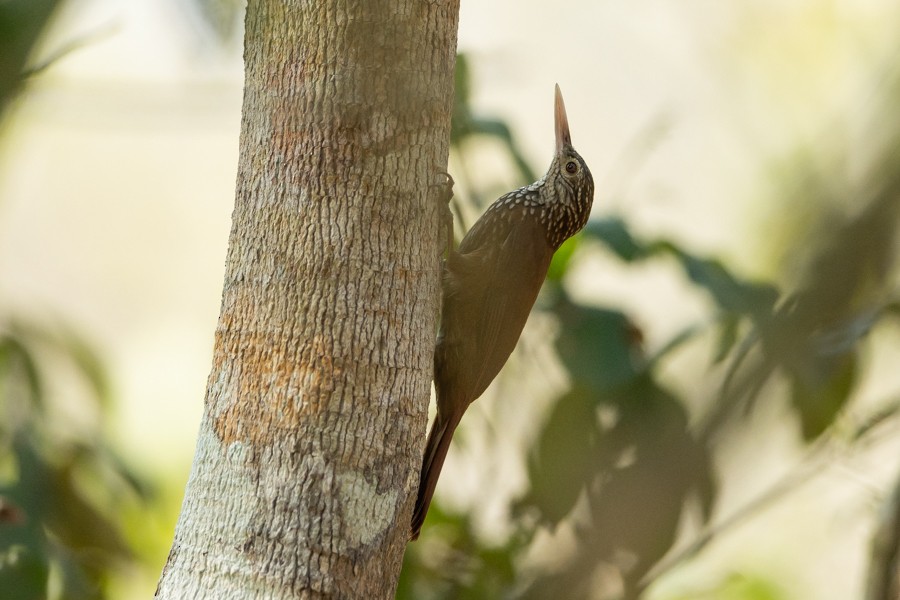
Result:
[{"x": 310, "y": 445}]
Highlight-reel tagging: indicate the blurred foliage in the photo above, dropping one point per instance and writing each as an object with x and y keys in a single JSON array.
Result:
[
  {"x": 61, "y": 487},
  {"x": 882, "y": 581},
  {"x": 739, "y": 587},
  {"x": 222, "y": 18},
  {"x": 467, "y": 125},
  {"x": 619, "y": 461},
  {"x": 21, "y": 24}
]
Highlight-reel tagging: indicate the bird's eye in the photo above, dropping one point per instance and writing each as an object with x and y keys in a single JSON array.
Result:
[{"x": 571, "y": 167}]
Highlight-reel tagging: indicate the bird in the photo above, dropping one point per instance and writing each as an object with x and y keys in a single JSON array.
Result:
[{"x": 489, "y": 284}]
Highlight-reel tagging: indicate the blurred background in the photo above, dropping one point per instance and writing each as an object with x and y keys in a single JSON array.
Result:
[{"x": 703, "y": 405}]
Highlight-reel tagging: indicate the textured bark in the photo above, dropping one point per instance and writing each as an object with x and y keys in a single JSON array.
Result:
[{"x": 310, "y": 444}]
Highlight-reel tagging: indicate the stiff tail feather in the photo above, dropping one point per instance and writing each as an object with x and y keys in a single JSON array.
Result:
[{"x": 435, "y": 452}]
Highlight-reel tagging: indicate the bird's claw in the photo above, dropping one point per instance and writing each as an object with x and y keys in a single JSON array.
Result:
[{"x": 446, "y": 197}]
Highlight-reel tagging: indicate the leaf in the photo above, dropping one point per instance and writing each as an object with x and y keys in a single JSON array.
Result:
[
  {"x": 563, "y": 459},
  {"x": 562, "y": 258},
  {"x": 614, "y": 233},
  {"x": 70, "y": 346},
  {"x": 23, "y": 573},
  {"x": 819, "y": 393},
  {"x": 451, "y": 562},
  {"x": 729, "y": 293},
  {"x": 658, "y": 463},
  {"x": 145, "y": 489},
  {"x": 643, "y": 467},
  {"x": 21, "y": 24},
  {"x": 465, "y": 123},
  {"x": 739, "y": 587},
  {"x": 222, "y": 17},
  {"x": 54, "y": 500},
  {"x": 728, "y": 336},
  {"x": 17, "y": 362},
  {"x": 88, "y": 363},
  {"x": 675, "y": 342},
  {"x": 600, "y": 348},
  {"x": 24, "y": 557},
  {"x": 819, "y": 356}
]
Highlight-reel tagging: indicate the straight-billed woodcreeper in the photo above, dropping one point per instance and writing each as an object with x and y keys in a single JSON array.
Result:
[{"x": 490, "y": 284}]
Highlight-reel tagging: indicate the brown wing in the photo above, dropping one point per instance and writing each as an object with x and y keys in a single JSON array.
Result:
[{"x": 490, "y": 287}]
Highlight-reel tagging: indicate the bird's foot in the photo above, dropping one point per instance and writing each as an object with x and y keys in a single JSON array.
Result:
[{"x": 445, "y": 197}]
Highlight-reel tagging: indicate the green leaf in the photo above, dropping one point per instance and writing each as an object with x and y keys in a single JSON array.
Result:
[
  {"x": 728, "y": 336},
  {"x": 451, "y": 562},
  {"x": 820, "y": 391},
  {"x": 658, "y": 464},
  {"x": 600, "y": 348},
  {"x": 21, "y": 24},
  {"x": 71, "y": 346},
  {"x": 23, "y": 573},
  {"x": 562, "y": 258},
  {"x": 563, "y": 459},
  {"x": 614, "y": 233},
  {"x": 675, "y": 342},
  {"x": 465, "y": 123},
  {"x": 17, "y": 365},
  {"x": 220, "y": 16},
  {"x": 88, "y": 363},
  {"x": 739, "y": 587},
  {"x": 729, "y": 293}
]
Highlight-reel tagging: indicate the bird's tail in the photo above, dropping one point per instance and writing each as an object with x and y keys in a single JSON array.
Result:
[{"x": 435, "y": 452}]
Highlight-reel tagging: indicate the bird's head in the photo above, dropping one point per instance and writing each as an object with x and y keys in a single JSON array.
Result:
[{"x": 570, "y": 181}]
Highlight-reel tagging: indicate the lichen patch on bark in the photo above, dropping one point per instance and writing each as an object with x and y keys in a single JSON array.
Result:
[{"x": 367, "y": 514}]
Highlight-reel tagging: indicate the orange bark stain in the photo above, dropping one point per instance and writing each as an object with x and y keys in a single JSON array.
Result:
[{"x": 269, "y": 385}]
